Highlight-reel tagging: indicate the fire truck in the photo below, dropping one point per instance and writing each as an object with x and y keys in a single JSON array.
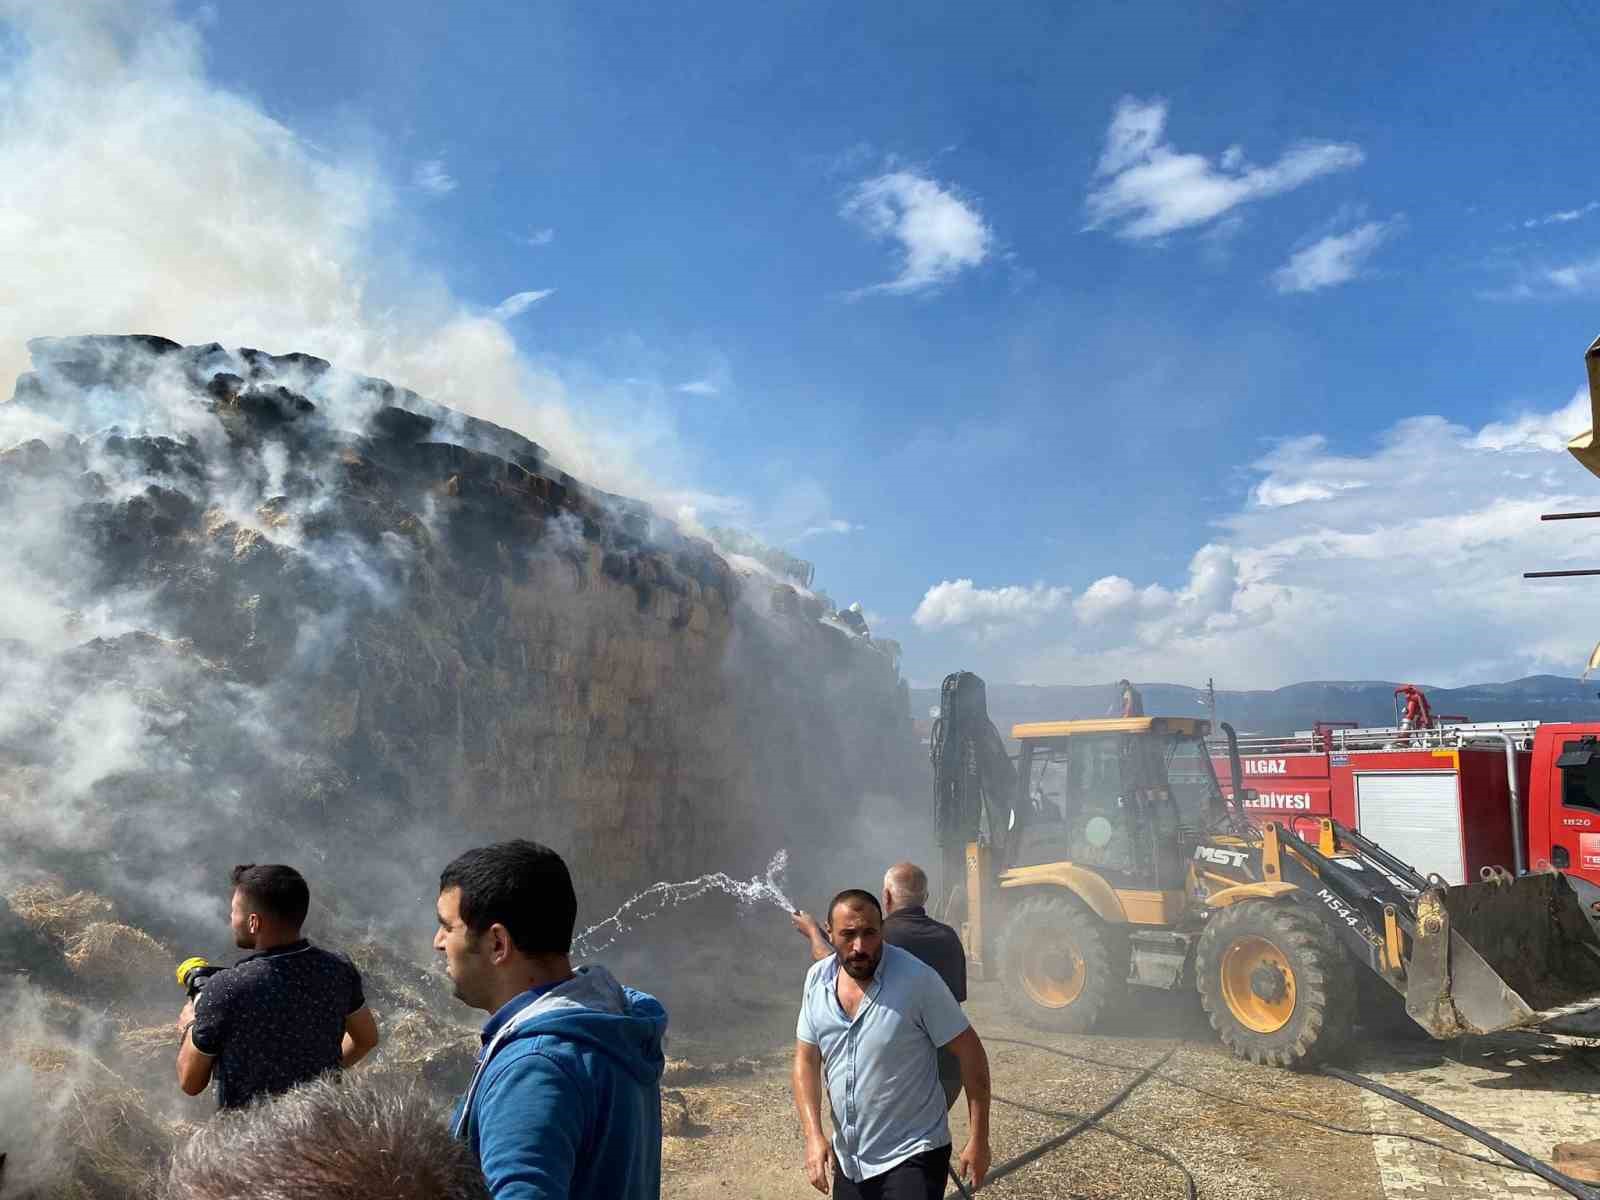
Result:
[{"x": 1458, "y": 799}]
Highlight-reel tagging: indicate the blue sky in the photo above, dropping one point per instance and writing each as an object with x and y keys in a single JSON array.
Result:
[{"x": 1069, "y": 343}]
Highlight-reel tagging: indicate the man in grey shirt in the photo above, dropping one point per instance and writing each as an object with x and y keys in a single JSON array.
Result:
[{"x": 872, "y": 1019}]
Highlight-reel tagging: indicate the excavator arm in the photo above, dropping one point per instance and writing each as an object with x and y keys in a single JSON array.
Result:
[{"x": 974, "y": 783}]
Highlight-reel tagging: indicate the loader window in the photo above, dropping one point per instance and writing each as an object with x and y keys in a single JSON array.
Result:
[
  {"x": 1580, "y": 774},
  {"x": 1047, "y": 783},
  {"x": 1094, "y": 772},
  {"x": 1096, "y": 818},
  {"x": 1194, "y": 783}
]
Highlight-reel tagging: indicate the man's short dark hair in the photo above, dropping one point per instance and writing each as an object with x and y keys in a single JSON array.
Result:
[
  {"x": 276, "y": 890},
  {"x": 855, "y": 898},
  {"x": 335, "y": 1137},
  {"x": 522, "y": 885}
]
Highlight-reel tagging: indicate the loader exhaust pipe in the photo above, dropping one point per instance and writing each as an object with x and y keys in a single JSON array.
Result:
[{"x": 1235, "y": 766}]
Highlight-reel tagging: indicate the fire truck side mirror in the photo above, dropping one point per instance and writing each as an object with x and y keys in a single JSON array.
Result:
[
  {"x": 1578, "y": 755},
  {"x": 1580, "y": 761}
]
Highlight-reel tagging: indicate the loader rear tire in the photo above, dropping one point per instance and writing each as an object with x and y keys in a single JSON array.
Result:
[
  {"x": 1061, "y": 966},
  {"x": 1280, "y": 991}
]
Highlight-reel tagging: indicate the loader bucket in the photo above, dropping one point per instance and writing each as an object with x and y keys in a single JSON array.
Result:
[{"x": 1490, "y": 956}]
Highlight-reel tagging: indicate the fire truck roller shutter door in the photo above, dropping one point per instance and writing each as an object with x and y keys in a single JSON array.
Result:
[{"x": 1416, "y": 816}]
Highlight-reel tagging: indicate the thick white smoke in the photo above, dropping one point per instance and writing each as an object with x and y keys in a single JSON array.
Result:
[{"x": 137, "y": 195}]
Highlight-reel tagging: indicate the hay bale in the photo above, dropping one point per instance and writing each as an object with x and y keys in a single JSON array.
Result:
[
  {"x": 420, "y": 1046},
  {"x": 49, "y": 908},
  {"x": 677, "y": 1120},
  {"x": 148, "y": 1045},
  {"x": 118, "y": 958},
  {"x": 105, "y": 1143},
  {"x": 117, "y": 1148},
  {"x": 24, "y": 948}
]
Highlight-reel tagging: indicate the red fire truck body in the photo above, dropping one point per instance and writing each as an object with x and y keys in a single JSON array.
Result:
[{"x": 1444, "y": 799}]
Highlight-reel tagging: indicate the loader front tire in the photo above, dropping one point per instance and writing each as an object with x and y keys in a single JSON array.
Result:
[
  {"x": 1280, "y": 991},
  {"x": 1060, "y": 965}
]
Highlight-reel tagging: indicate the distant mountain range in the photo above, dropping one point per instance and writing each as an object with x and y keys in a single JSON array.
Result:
[{"x": 1538, "y": 697}]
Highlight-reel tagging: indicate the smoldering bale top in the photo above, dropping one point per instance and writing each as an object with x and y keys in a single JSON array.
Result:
[{"x": 147, "y": 399}]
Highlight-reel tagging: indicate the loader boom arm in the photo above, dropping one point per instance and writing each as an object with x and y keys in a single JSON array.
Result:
[
  {"x": 975, "y": 785},
  {"x": 1470, "y": 958}
]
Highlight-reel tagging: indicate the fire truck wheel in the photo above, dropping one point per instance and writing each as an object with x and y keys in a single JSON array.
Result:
[
  {"x": 1059, "y": 963},
  {"x": 1279, "y": 990}
]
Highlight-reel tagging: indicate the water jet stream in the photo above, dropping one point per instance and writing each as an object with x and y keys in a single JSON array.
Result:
[{"x": 748, "y": 892}]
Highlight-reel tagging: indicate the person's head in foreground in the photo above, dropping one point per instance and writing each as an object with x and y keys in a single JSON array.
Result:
[
  {"x": 506, "y": 914},
  {"x": 855, "y": 926},
  {"x": 337, "y": 1138}
]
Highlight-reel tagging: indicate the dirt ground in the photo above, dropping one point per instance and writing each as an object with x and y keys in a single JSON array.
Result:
[{"x": 1204, "y": 1108}]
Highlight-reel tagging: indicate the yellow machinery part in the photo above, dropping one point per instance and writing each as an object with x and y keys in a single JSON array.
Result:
[
  {"x": 1229, "y": 896},
  {"x": 980, "y": 878},
  {"x": 1392, "y": 945},
  {"x": 1182, "y": 726},
  {"x": 1271, "y": 853},
  {"x": 1244, "y": 965},
  {"x": 1092, "y": 889},
  {"x": 1151, "y": 908},
  {"x": 1056, "y": 979}
]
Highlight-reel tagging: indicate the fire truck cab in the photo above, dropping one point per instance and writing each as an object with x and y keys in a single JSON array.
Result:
[
  {"x": 1454, "y": 799},
  {"x": 1564, "y": 800}
]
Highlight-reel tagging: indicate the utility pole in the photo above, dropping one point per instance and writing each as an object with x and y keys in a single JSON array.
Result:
[{"x": 1211, "y": 701}]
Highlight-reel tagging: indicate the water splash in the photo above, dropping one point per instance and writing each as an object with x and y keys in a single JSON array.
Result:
[{"x": 660, "y": 896}]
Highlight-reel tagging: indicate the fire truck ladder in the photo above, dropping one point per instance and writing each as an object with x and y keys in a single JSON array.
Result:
[
  {"x": 1334, "y": 738},
  {"x": 1506, "y": 952}
]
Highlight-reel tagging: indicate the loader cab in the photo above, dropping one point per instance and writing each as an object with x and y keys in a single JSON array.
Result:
[{"x": 1123, "y": 796}]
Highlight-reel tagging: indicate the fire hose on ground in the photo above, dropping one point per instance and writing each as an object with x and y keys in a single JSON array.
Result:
[
  {"x": 1080, "y": 1124},
  {"x": 1512, "y": 1159},
  {"x": 1522, "y": 1158}
]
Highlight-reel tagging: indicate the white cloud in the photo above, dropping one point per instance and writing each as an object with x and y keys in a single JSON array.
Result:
[
  {"x": 515, "y": 306},
  {"x": 1562, "y": 217},
  {"x": 958, "y": 603},
  {"x": 1580, "y": 277},
  {"x": 431, "y": 177},
  {"x": 833, "y": 525},
  {"x": 540, "y": 237},
  {"x": 699, "y": 387},
  {"x": 1335, "y": 259},
  {"x": 1145, "y": 188},
  {"x": 1405, "y": 562},
  {"x": 1113, "y": 596},
  {"x": 940, "y": 233}
]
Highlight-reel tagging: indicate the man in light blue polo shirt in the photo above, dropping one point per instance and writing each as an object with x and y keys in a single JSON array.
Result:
[{"x": 872, "y": 1018}]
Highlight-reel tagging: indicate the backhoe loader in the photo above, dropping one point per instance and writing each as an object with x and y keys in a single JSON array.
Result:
[{"x": 1107, "y": 855}]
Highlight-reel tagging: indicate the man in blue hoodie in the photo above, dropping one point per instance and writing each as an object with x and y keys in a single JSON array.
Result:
[{"x": 565, "y": 1103}]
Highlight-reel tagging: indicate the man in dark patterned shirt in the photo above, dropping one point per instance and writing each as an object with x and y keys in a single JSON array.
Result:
[{"x": 281, "y": 1016}]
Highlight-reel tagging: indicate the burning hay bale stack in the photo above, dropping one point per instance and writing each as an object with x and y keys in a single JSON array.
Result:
[
  {"x": 280, "y": 612},
  {"x": 354, "y": 609}
]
